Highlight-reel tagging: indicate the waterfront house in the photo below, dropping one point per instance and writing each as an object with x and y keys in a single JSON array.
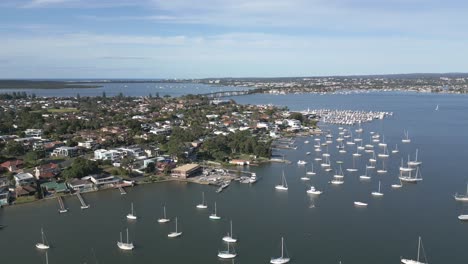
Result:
[
  {"x": 26, "y": 190},
  {"x": 46, "y": 171},
  {"x": 103, "y": 181},
  {"x": 54, "y": 187},
  {"x": 12, "y": 165},
  {"x": 186, "y": 171},
  {"x": 4, "y": 195},
  {"x": 240, "y": 162},
  {"x": 80, "y": 185},
  {"x": 24, "y": 179}
]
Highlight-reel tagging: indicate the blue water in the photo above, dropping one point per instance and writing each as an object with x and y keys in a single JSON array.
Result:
[
  {"x": 130, "y": 89},
  {"x": 320, "y": 230}
]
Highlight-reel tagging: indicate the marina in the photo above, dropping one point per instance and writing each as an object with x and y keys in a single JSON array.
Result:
[{"x": 307, "y": 221}]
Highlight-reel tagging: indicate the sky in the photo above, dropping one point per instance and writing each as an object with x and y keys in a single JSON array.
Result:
[{"x": 230, "y": 38}]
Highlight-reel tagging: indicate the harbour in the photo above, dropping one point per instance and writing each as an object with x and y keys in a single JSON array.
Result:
[{"x": 322, "y": 227}]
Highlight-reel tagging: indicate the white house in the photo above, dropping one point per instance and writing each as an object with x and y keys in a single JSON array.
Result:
[{"x": 22, "y": 179}]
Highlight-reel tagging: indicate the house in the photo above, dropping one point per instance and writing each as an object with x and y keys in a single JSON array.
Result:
[
  {"x": 239, "y": 162},
  {"x": 24, "y": 179},
  {"x": 186, "y": 171},
  {"x": 65, "y": 152},
  {"x": 53, "y": 187},
  {"x": 89, "y": 144},
  {"x": 37, "y": 133},
  {"x": 4, "y": 196},
  {"x": 80, "y": 185},
  {"x": 46, "y": 171},
  {"x": 12, "y": 165},
  {"x": 104, "y": 154},
  {"x": 103, "y": 181},
  {"x": 26, "y": 190}
]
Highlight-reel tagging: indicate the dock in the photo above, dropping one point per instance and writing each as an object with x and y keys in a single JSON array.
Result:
[
  {"x": 122, "y": 190},
  {"x": 61, "y": 205},
  {"x": 83, "y": 204}
]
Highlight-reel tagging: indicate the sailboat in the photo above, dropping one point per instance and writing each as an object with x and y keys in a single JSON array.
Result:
[
  {"x": 131, "y": 215},
  {"x": 203, "y": 204},
  {"x": 410, "y": 261},
  {"x": 215, "y": 216},
  {"x": 340, "y": 174},
  {"x": 164, "y": 219},
  {"x": 365, "y": 176},
  {"x": 405, "y": 169},
  {"x": 175, "y": 233},
  {"x": 357, "y": 154},
  {"x": 229, "y": 238},
  {"x": 311, "y": 172},
  {"x": 415, "y": 162},
  {"x": 406, "y": 139},
  {"x": 44, "y": 244},
  {"x": 378, "y": 193},
  {"x": 383, "y": 144},
  {"x": 125, "y": 246},
  {"x": 353, "y": 169},
  {"x": 437, "y": 108},
  {"x": 284, "y": 185},
  {"x": 460, "y": 197},
  {"x": 384, "y": 153},
  {"x": 282, "y": 259},
  {"x": 395, "y": 150},
  {"x": 360, "y": 204},
  {"x": 397, "y": 185},
  {"x": 409, "y": 178},
  {"x": 227, "y": 254},
  {"x": 383, "y": 170}
]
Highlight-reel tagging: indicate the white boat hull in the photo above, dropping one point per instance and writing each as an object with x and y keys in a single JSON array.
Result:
[
  {"x": 281, "y": 188},
  {"x": 214, "y": 217},
  {"x": 131, "y": 217},
  {"x": 224, "y": 255},
  {"x": 42, "y": 246},
  {"x": 125, "y": 246},
  {"x": 279, "y": 260},
  {"x": 229, "y": 239},
  {"x": 174, "y": 234},
  {"x": 410, "y": 261},
  {"x": 202, "y": 206},
  {"x": 163, "y": 220},
  {"x": 360, "y": 204}
]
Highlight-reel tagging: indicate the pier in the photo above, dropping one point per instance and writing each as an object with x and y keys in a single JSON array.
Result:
[
  {"x": 122, "y": 190},
  {"x": 61, "y": 205},
  {"x": 83, "y": 204}
]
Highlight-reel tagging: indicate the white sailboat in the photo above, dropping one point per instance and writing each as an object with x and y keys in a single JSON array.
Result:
[
  {"x": 383, "y": 169},
  {"x": 365, "y": 176},
  {"x": 415, "y": 162},
  {"x": 437, "y": 108},
  {"x": 377, "y": 193},
  {"x": 176, "y": 233},
  {"x": 284, "y": 185},
  {"x": 395, "y": 150},
  {"x": 203, "y": 204},
  {"x": 227, "y": 254},
  {"x": 164, "y": 219},
  {"x": 384, "y": 153},
  {"x": 311, "y": 172},
  {"x": 353, "y": 169},
  {"x": 463, "y": 217},
  {"x": 43, "y": 244},
  {"x": 411, "y": 179},
  {"x": 340, "y": 174},
  {"x": 360, "y": 204},
  {"x": 405, "y": 169},
  {"x": 229, "y": 238},
  {"x": 462, "y": 197},
  {"x": 397, "y": 185},
  {"x": 301, "y": 162},
  {"x": 383, "y": 144},
  {"x": 214, "y": 216},
  {"x": 282, "y": 259},
  {"x": 125, "y": 246},
  {"x": 131, "y": 215},
  {"x": 406, "y": 138},
  {"x": 314, "y": 191},
  {"x": 410, "y": 261}
]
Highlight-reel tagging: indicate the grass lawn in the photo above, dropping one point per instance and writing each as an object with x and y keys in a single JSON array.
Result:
[{"x": 25, "y": 199}]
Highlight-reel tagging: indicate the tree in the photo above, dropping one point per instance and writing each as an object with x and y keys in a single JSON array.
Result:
[
  {"x": 150, "y": 168},
  {"x": 14, "y": 149},
  {"x": 81, "y": 167},
  {"x": 32, "y": 158},
  {"x": 297, "y": 116}
]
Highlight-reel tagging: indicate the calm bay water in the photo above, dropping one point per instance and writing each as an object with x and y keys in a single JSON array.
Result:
[
  {"x": 321, "y": 230},
  {"x": 131, "y": 89}
]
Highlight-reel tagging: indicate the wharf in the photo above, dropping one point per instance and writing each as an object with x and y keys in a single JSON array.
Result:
[{"x": 83, "y": 204}]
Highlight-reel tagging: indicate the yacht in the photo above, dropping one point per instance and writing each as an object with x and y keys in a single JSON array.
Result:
[
  {"x": 131, "y": 215},
  {"x": 411, "y": 179},
  {"x": 284, "y": 185},
  {"x": 462, "y": 197},
  {"x": 360, "y": 204},
  {"x": 365, "y": 176},
  {"x": 229, "y": 238},
  {"x": 176, "y": 233},
  {"x": 203, "y": 204},
  {"x": 164, "y": 219},
  {"x": 215, "y": 216},
  {"x": 406, "y": 138},
  {"x": 311, "y": 172},
  {"x": 377, "y": 193},
  {"x": 410, "y": 261},
  {"x": 395, "y": 150},
  {"x": 340, "y": 174},
  {"x": 43, "y": 244},
  {"x": 227, "y": 254},
  {"x": 415, "y": 162},
  {"x": 301, "y": 162},
  {"x": 314, "y": 191},
  {"x": 125, "y": 246},
  {"x": 282, "y": 259}
]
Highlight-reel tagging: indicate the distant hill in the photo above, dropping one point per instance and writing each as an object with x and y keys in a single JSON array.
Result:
[{"x": 31, "y": 84}]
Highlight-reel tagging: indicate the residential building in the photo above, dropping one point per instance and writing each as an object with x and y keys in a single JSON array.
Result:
[
  {"x": 4, "y": 196},
  {"x": 12, "y": 165},
  {"x": 186, "y": 171},
  {"x": 103, "y": 181},
  {"x": 80, "y": 185},
  {"x": 37, "y": 133},
  {"x": 65, "y": 152},
  {"x": 23, "y": 179},
  {"x": 46, "y": 171}
]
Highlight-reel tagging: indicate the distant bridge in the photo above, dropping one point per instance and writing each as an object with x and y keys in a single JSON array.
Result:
[{"x": 232, "y": 93}]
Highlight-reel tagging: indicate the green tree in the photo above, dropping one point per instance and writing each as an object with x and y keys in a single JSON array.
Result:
[
  {"x": 32, "y": 158},
  {"x": 14, "y": 149}
]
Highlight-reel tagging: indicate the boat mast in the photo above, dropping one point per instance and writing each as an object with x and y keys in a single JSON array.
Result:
[
  {"x": 419, "y": 245},
  {"x": 231, "y": 228},
  {"x": 121, "y": 240},
  {"x": 176, "y": 224},
  {"x": 282, "y": 241},
  {"x": 164, "y": 212},
  {"x": 127, "y": 235}
]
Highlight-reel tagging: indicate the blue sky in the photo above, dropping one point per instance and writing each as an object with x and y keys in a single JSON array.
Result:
[{"x": 230, "y": 38}]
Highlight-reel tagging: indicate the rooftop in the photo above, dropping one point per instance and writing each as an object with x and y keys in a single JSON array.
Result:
[{"x": 187, "y": 167}]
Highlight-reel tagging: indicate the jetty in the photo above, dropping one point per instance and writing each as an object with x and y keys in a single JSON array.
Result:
[
  {"x": 83, "y": 204},
  {"x": 62, "y": 208},
  {"x": 122, "y": 190}
]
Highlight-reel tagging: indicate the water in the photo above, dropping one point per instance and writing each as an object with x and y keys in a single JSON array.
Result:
[
  {"x": 319, "y": 230},
  {"x": 130, "y": 89}
]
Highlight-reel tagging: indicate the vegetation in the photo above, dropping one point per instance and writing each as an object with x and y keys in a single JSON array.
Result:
[
  {"x": 81, "y": 167},
  {"x": 27, "y": 84}
]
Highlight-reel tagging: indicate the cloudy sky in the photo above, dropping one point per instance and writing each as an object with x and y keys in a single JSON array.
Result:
[{"x": 223, "y": 38}]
